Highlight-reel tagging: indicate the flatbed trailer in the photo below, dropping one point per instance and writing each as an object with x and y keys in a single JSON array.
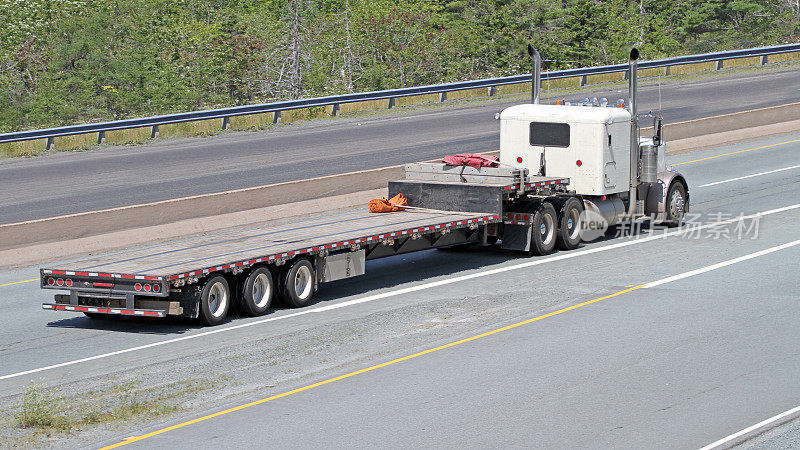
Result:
[{"x": 173, "y": 278}]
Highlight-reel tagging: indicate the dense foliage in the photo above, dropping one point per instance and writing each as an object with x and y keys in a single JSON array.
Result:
[{"x": 63, "y": 61}]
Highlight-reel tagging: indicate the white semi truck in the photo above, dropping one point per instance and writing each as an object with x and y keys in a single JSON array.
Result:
[{"x": 556, "y": 161}]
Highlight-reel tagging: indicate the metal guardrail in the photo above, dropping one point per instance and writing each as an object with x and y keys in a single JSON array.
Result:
[{"x": 391, "y": 94}]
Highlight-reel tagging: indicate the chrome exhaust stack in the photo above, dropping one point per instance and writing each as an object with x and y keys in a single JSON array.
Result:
[
  {"x": 536, "y": 74},
  {"x": 634, "y": 174}
]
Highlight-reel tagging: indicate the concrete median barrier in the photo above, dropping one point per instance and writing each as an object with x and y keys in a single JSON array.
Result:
[{"x": 681, "y": 136}]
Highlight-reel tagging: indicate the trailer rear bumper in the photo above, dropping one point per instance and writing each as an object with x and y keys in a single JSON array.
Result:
[{"x": 101, "y": 310}]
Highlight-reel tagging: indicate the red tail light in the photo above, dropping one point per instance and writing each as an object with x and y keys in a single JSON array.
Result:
[
  {"x": 68, "y": 282},
  {"x": 60, "y": 282},
  {"x": 147, "y": 287},
  {"x": 579, "y": 163},
  {"x": 137, "y": 286},
  {"x": 156, "y": 288},
  {"x": 519, "y": 159},
  {"x": 51, "y": 281}
]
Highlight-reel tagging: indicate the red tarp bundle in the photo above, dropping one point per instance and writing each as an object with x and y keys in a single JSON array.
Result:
[{"x": 472, "y": 160}]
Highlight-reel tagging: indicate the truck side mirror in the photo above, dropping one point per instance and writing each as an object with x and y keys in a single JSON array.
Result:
[{"x": 657, "y": 127}]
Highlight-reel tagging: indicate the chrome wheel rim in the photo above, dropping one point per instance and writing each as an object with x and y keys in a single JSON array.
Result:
[
  {"x": 546, "y": 229},
  {"x": 217, "y": 299},
  {"x": 302, "y": 282},
  {"x": 676, "y": 204},
  {"x": 262, "y": 289},
  {"x": 573, "y": 224}
]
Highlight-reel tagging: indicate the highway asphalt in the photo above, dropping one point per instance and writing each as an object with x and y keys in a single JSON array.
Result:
[
  {"x": 113, "y": 176},
  {"x": 679, "y": 364}
]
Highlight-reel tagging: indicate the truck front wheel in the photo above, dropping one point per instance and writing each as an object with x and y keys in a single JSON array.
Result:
[
  {"x": 214, "y": 300},
  {"x": 297, "y": 283},
  {"x": 676, "y": 204},
  {"x": 543, "y": 234}
]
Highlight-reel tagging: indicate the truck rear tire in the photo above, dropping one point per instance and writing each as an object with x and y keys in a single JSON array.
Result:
[
  {"x": 256, "y": 291},
  {"x": 569, "y": 223},
  {"x": 215, "y": 300},
  {"x": 676, "y": 205},
  {"x": 297, "y": 283},
  {"x": 543, "y": 233}
]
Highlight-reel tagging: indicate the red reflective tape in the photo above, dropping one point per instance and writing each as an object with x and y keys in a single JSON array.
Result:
[
  {"x": 105, "y": 275},
  {"x": 128, "y": 277},
  {"x": 127, "y": 311},
  {"x": 59, "y": 272},
  {"x": 108, "y": 285},
  {"x": 151, "y": 313}
]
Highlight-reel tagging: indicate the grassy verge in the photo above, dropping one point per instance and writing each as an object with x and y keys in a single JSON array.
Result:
[
  {"x": 42, "y": 416},
  {"x": 265, "y": 121}
]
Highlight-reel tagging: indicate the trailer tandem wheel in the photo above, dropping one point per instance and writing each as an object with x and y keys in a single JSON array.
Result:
[
  {"x": 255, "y": 291},
  {"x": 297, "y": 283},
  {"x": 214, "y": 300}
]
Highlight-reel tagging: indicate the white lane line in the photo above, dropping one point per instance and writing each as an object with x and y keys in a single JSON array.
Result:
[
  {"x": 716, "y": 266},
  {"x": 535, "y": 262},
  {"x": 760, "y": 425},
  {"x": 750, "y": 176}
]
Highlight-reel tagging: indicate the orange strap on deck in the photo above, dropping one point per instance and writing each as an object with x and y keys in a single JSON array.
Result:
[{"x": 381, "y": 205}]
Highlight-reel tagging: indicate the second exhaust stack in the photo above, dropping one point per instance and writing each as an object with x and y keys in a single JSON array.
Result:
[
  {"x": 632, "y": 86},
  {"x": 536, "y": 74}
]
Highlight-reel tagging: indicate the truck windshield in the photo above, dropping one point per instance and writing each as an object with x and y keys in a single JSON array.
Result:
[{"x": 548, "y": 134}]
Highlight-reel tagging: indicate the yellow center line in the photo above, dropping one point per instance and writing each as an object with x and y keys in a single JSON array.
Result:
[
  {"x": 19, "y": 282},
  {"x": 368, "y": 369},
  {"x": 734, "y": 153}
]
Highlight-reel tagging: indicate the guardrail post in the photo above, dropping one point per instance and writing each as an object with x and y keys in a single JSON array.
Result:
[
  {"x": 764, "y": 59},
  {"x": 391, "y": 103},
  {"x": 51, "y": 144},
  {"x": 492, "y": 91},
  {"x": 720, "y": 64},
  {"x": 582, "y": 82},
  {"x": 276, "y": 117},
  {"x": 154, "y": 132},
  {"x": 101, "y": 137},
  {"x": 666, "y": 70},
  {"x": 335, "y": 111},
  {"x": 226, "y": 123},
  {"x": 442, "y": 96}
]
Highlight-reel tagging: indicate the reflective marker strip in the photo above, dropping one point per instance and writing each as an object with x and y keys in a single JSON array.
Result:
[
  {"x": 101, "y": 275},
  {"x": 91, "y": 309}
]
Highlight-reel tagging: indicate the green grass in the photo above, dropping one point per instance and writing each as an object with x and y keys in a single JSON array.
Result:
[{"x": 41, "y": 415}]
